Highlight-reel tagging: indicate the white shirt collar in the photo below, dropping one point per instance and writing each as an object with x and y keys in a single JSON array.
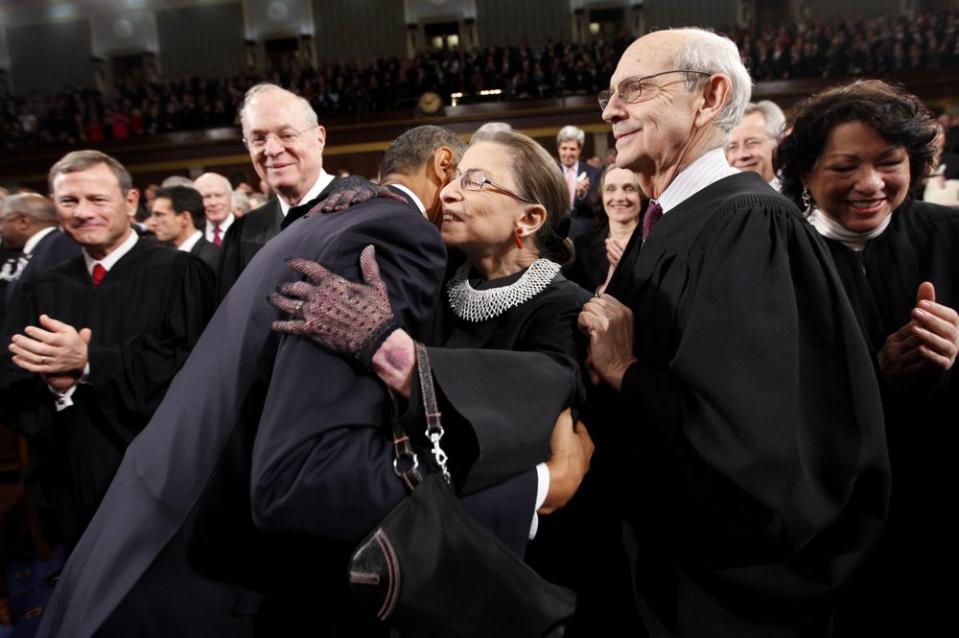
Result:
[
  {"x": 224, "y": 226},
  {"x": 35, "y": 238},
  {"x": 321, "y": 182},
  {"x": 416, "y": 200},
  {"x": 708, "y": 169},
  {"x": 110, "y": 260},
  {"x": 188, "y": 243},
  {"x": 830, "y": 228},
  {"x": 776, "y": 185}
]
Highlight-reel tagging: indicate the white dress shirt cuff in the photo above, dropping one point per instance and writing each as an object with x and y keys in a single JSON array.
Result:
[
  {"x": 63, "y": 400},
  {"x": 542, "y": 490}
]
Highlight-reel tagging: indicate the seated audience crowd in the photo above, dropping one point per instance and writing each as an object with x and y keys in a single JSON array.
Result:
[{"x": 141, "y": 106}]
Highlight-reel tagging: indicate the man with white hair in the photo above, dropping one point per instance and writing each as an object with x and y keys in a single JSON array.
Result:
[
  {"x": 582, "y": 179},
  {"x": 217, "y": 197},
  {"x": 285, "y": 141},
  {"x": 744, "y": 412},
  {"x": 751, "y": 144}
]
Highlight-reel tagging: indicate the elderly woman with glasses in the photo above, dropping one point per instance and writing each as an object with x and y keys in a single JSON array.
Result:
[
  {"x": 855, "y": 160},
  {"x": 507, "y": 332}
]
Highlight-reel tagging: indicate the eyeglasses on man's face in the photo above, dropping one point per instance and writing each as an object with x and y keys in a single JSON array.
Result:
[
  {"x": 286, "y": 138},
  {"x": 473, "y": 179},
  {"x": 630, "y": 90}
]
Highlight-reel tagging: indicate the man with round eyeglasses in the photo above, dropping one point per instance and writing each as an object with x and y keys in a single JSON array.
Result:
[
  {"x": 748, "y": 429},
  {"x": 285, "y": 141}
]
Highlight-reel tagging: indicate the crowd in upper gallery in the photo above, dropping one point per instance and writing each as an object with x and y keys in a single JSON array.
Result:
[{"x": 136, "y": 107}]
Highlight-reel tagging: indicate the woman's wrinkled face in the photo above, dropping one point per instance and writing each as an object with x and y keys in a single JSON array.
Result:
[
  {"x": 859, "y": 178},
  {"x": 481, "y": 221},
  {"x": 621, "y": 196}
]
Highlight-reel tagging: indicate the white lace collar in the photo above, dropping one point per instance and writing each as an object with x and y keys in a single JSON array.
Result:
[{"x": 474, "y": 305}]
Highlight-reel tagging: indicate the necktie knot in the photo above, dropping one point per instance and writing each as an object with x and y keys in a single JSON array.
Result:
[
  {"x": 99, "y": 272},
  {"x": 653, "y": 212}
]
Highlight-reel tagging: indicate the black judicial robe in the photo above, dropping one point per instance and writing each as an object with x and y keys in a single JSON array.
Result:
[
  {"x": 294, "y": 431},
  {"x": 248, "y": 234},
  {"x": 507, "y": 373},
  {"x": 907, "y": 587},
  {"x": 751, "y": 427},
  {"x": 145, "y": 317},
  {"x": 508, "y": 377}
]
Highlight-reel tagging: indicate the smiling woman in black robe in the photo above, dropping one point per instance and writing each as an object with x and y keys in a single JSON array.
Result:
[{"x": 855, "y": 159}]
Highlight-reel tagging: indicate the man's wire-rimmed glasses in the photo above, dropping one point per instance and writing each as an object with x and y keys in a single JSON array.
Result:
[
  {"x": 631, "y": 89},
  {"x": 286, "y": 138}
]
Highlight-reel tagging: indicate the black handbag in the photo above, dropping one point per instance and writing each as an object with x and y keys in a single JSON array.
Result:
[{"x": 429, "y": 569}]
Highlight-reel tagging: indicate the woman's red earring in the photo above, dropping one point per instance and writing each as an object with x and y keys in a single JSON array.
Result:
[{"x": 519, "y": 239}]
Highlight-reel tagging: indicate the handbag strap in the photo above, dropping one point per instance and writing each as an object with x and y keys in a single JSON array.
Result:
[
  {"x": 434, "y": 427},
  {"x": 406, "y": 463}
]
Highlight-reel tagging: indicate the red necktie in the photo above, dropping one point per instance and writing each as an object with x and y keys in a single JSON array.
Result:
[
  {"x": 99, "y": 272},
  {"x": 217, "y": 239},
  {"x": 653, "y": 212}
]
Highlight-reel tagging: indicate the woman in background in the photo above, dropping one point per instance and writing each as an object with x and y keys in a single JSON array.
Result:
[{"x": 600, "y": 249}]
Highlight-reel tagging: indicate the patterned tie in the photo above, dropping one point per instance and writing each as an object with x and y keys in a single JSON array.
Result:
[
  {"x": 217, "y": 235},
  {"x": 571, "y": 184},
  {"x": 99, "y": 272},
  {"x": 653, "y": 212}
]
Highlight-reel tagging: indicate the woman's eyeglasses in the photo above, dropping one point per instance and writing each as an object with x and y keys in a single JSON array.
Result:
[{"x": 474, "y": 179}]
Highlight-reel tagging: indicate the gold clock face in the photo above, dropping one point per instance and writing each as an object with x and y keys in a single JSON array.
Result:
[{"x": 430, "y": 102}]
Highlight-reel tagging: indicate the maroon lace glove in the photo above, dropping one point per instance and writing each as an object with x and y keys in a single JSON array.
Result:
[
  {"x": 349, "y": 318},
  {"x": 351, "y": 191}
]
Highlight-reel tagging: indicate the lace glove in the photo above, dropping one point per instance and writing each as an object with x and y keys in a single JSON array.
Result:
[
  {"x": 346, "y": 317},
  {"x": 351, "y": 191}
]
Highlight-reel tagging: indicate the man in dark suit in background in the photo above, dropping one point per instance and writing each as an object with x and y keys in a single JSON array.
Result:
[
  {"x": 286, "y": 142},
  {"x": 581, "y": 179},
  {"x": 29, "y": 223},
  {"x": 178, "y": 219}
]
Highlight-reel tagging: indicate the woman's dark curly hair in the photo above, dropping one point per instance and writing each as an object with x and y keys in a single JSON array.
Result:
[{"x": 898, "y": 117}]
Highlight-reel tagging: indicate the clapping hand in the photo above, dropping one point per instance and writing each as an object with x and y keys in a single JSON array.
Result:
[{"x": 925, "y": 347}]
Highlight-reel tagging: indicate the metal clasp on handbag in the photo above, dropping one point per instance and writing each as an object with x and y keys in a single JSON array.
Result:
[{"x": 434, "y": 428}]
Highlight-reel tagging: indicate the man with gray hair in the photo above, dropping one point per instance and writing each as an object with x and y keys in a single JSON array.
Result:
[
  {"x": 28, "y": 222},
  {"x": 582, "y": 180},
  {"x": 740, "y": 398},
  {"x": 285, "y": 141},
  {"x": 751, "y": 143}
]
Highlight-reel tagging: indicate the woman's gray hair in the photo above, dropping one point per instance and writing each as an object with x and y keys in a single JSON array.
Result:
[{"x": 708, "y": 52}]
